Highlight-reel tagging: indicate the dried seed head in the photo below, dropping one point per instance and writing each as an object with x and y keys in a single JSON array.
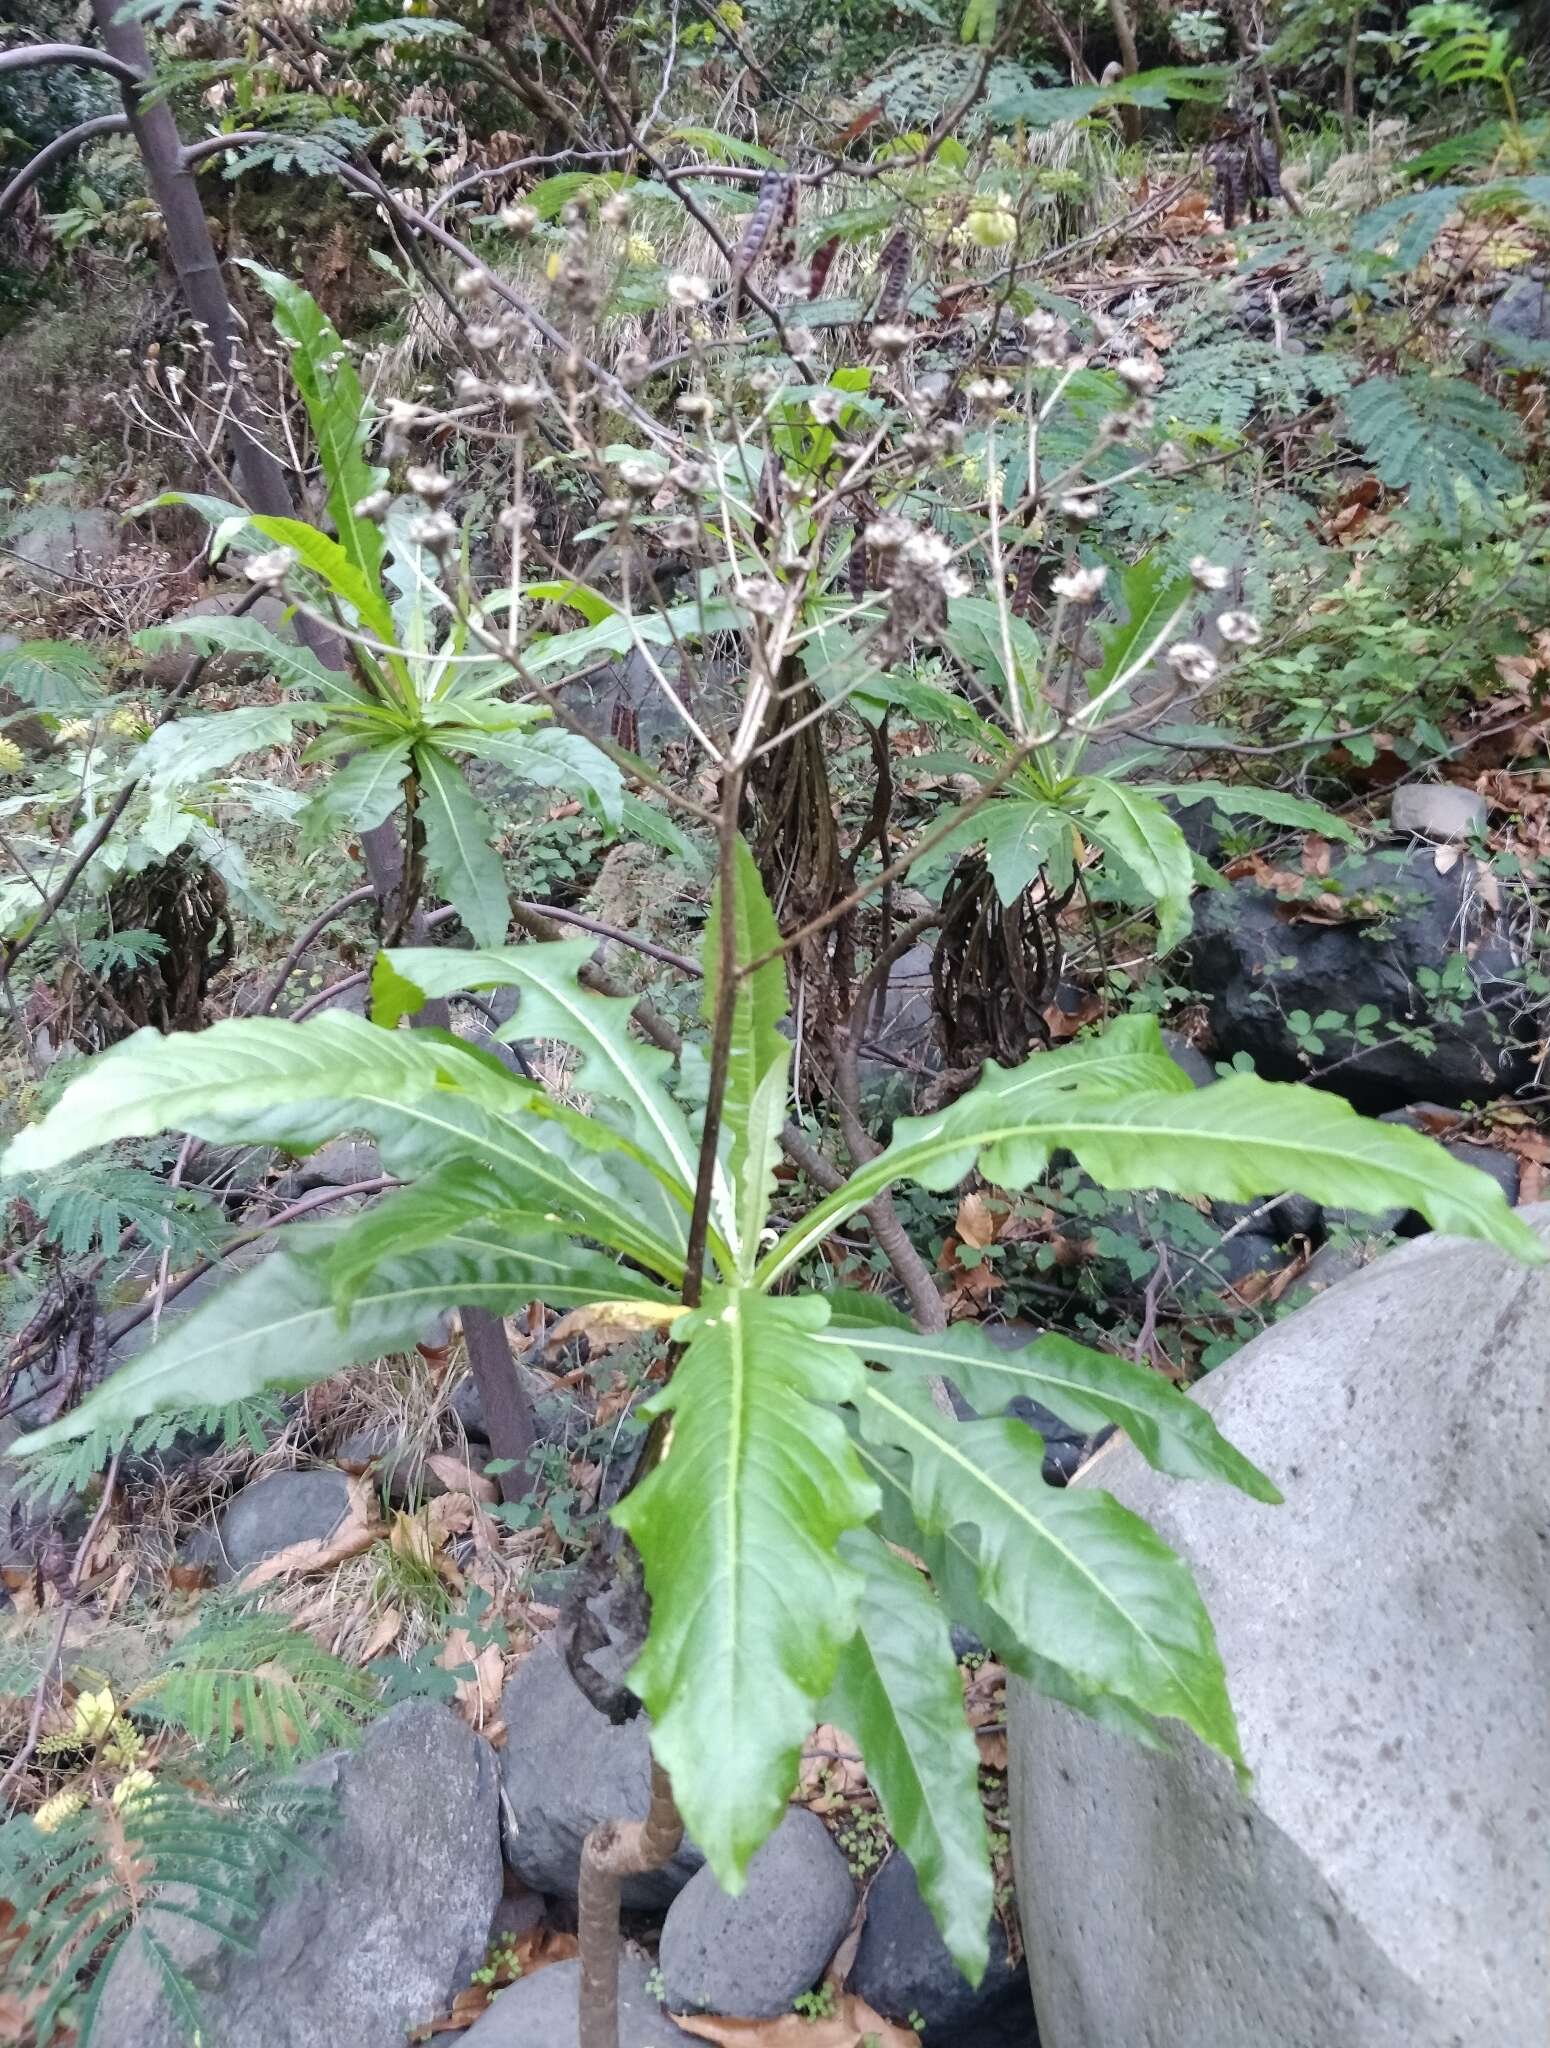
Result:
[
  {"x": 1080, "y": 505},
  {"x": 1079, "y": 586},
  {"x": 518, "y": 220},
  {"x": 429, "y": 485},
  {"x": 762, "y": 597},
  {"x": 1171, "y": 459},
  {"x": 469, "y": 389},
  {"x": 632, "y": 367},
  {"x": 765, "y": 380},
  {"x": 269, "y": 570},
  {"x": 891, "y": 338},
  {"x": 639, "y": 477},
  {"x": 1241, "y": 629},
  {"x": 615, "y": 211},
  {"x": 697, "y": 405},
  {"x": 803, "y": 344},
  {"x": 521, "y": 403},
  {"x": 615, "y": 508},
  {"x": 516, "y": 517},
  {"x": 1191, "y": 662},
  {"x": 887, "y": 533},
  {"x": 686, "y": 290},
  {"x": 1206, "y": 574},
  {"x": 485, "y": 334},
  {"x": 679, "y": 535},
  {"x": 1139, "y": 376},
  {"x": 436, "y": 531},
  {"x": 987, "y": 394},
  {"x": 690, "y": 476},
  {"x": 572, "y": 214},
  {"x": 826, "y": 406},
  {"x": 374, "y": 505},
  {"x": 473, "y": 286}
]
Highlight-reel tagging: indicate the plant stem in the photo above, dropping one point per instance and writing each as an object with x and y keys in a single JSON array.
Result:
[{"x": 614, "y": 1850}]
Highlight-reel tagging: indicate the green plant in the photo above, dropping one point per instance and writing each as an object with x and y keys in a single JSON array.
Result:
[
  {"x": 804, "y": 1427},
  {"x": 135, "y": 1835},
  {"x": 1461, "y": 46},
  {"x": 815, "y": 2005}
]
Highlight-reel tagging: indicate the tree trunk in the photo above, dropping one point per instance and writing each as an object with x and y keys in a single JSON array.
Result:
[
  {"x": 1130, "y": 64},
  {"x": 264, "y": 485}
]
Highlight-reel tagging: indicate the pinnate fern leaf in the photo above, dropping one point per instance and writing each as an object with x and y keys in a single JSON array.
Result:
[{"x": 1432, "y": 436}]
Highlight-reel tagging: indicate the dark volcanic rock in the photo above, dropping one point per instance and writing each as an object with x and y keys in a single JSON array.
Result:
[
  {"x": 903, "y": 1970},
  {"x": 1256, "y": 964}
]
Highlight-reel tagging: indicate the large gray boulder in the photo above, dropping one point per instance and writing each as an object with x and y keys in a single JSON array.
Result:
[
  {"x": 274, "y": 1513},
  {"x": 566, "y": 1767},
  {"x": 380, "y": 1938},
  {"x": 1386, "y": 1634}
]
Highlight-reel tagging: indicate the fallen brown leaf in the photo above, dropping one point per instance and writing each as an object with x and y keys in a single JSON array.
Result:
[
  {"x": 606, "y": 1323},
  {"x": 477, "y": 1697},
  {"x": 831, "y": 1773},
  {"x": 356, "y": 1531},
  {"x": 458, "y": 1476},
  {"x": 853, "y": 2024}
]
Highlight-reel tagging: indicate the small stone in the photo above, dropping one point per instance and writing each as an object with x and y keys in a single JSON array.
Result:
[
  {"x": 749, "y": 1956},
  {"x": 540, "y": 2011},
  {"x": 1523, "y": 311},
  {"x": 285, "y": 1508},
  {"x": 1189, "y": 1058},
  {"x": 565, "y": 1768},
  {"x": 903, "y": 1971},
  {"x": 1439, "y": 811},
  {"x": 1331, "y": 1264},
  {"x": 338, "y": 1164},
  {"x": 1501, "y": 1166}
]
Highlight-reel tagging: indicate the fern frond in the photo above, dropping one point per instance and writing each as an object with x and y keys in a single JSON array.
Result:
[
  {"x": 71, "y": 1467},
  {"x": 1430, "y": 436},
  {"x": 256, "y": 1679},
  {"x": 100, "y": 1877}
]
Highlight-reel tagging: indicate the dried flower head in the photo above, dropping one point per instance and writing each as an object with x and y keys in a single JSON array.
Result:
[
  {"x": 826, "y": 405},
  {"x": 436, "y": 532},
  {"x": 1207, "y": 575},
  {"x": 690, "y": 476},
  {"x": 270, "y": 569},
  {"x": 1139, "y": 376},
  {"x": 615, "y": 508},
  {"x": 516, "y": 517},
  {"x": 518, "y": 220},
  {"x": 1079, "y": 586},
  {"x": 70, "y": 732},
  {"x": 1171, "y": 459},
  {"x": 486, "y": 334},
  {"x": 615, "y": 210},
  {"x": 687, "y": 290},
  {"x": 988, "y": 394},
  {"x": 764, "y": 381},
  {"x": 891, "y": 338},
  {"x": 429, "y": 485},
  {"x": 679, "y": 535},
  {"x": 632, "y": 368},
  {"x": 521, "y": 403},
  {"x": 474, "y": 286},
  {"x": 1080, "y": 505},
  {"x": 373, "y": 506},
  {"x": 470, "y": 389},
  {"x": 1241, "y": 629},
  {"x": 1191, "y": 662},
  {"x": 697, "y": 405},
  {"x": 637, "y": 476},
  {"x": 762, "y": 596}
]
